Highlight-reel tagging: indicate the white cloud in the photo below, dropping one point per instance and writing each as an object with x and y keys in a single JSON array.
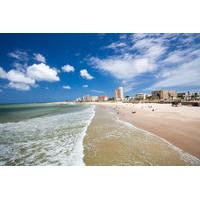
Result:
[
  {"x": 97, "y": 91},
  {"x": 123, "y": 36},
  {"x": 20, "y": 66},
  {"x": 139, "y": 36},
  {"x": 173, "y": 58},
  {"x": 19, "y": 55},
  {"x": 17, "y": 80},
  {"x": 116, "y": 45},
  {"x": 42, "y": 72},
  {"x": 3, "y": 74},
  {"x": 124, "y": 68},
  {"x": 187, "y": 74},
  {"x": 129, "y": 85},
  {"x": 152, "y": 55},
  {"x": 24, "y": 80},
  {"x": 19, "y": 86},
  {"x": 68, "y": 68},
  {"x": 130, "y": 64},
  {"x": 153, "y": 48},
  {"x": 67, "y": 87},
  {"x": 19, "y": 77},
  {"x": 84, "y": 74},
  {"x": 39, "y": 57},
  {"x": 85, "y": 86},
  {"x": 181, "y": 56}
]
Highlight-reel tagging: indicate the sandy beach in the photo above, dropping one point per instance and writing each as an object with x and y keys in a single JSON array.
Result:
[
  {"x": 174, "y": 135},
  {"x": 178, "y": 125}
]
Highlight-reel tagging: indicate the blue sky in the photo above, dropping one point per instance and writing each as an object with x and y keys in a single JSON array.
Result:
[{"x": 55, "y": 67}]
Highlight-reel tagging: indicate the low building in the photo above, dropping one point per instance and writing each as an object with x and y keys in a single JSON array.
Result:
[
  {"x": 164, "y": 94},
  {"x": 128, "y": 99},
  {"x": 192, "y": 96},
  {"x": 111, "y": 99},
  {"x": 90, "y": 98},
  {"x": 78, "y": 100},
  {"x": 181, "y": 95},
  {"x": 140, "y": 96},
  {"x": 102, "y": 98},
  {"x": 148, "y": 96}
]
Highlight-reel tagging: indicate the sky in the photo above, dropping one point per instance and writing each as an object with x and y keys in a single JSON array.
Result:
[{"x": 56, "y": 67}]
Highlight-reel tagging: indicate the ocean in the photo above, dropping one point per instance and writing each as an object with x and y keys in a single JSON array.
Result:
[{"x": 43, "y": 134}]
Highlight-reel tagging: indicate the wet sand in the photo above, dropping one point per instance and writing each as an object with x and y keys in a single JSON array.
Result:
[{"x": 110, "y": 141}]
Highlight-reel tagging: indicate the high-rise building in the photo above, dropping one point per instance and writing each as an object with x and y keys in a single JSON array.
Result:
[{"x": 119, "y": 94}]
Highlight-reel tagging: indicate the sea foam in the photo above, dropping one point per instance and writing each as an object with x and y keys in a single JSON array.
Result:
[{"x": 49, "y": 140}]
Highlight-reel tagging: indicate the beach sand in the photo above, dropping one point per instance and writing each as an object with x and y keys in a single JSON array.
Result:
[
  {"x": 178, "y": 125},
  {"x": 110, "y": 140}
]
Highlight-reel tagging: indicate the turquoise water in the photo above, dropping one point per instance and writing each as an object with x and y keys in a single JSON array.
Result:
[
  {"x": 43, "y": 134},
  {"x": 18, "y": 112}
]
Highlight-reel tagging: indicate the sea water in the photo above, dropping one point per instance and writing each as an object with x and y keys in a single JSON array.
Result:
[{"x": 43, "y": 134}]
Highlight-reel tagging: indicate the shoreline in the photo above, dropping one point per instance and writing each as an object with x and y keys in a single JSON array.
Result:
[
  {"x": 125, "y": 118},
  {"x": 181, "y": 151},
  {"x": 110, "y": 141},
  {"x": 179, "y": 126},
  {"x": 83, "y": 134}
]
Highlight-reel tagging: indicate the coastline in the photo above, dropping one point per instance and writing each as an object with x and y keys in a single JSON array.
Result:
[
  {"x": 80, "y": 144},
  {"x": 123, "y": 113},
  {"x": 178, "y": 125}
]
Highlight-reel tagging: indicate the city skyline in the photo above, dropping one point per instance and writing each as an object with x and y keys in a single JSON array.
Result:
[{"x": 55, "y": 67}]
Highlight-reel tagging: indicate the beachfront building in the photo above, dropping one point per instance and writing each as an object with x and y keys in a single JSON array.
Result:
[
  {"x": 181, "y": 95},
  {"x": 192, "y": 96},
  {"x": 111, "y": 98},
  {"x": 140, "y": 96},
  {"x": 78, "y": 99},
  {"x": 119, "y": 94},
  {"x": 164, "y": 94},
  {"x": 90, "y": 98},
  {"x": 128, "y": 99},
  {"x": 148, "y": 96},
  {"x": 102, "y": 98}
]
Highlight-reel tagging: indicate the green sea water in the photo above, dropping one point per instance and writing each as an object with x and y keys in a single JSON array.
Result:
[{"x": 43, "y": 134}]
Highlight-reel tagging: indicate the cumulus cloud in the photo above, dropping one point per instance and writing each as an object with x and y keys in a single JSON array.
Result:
[
  {"x": 20, "y": 66},
  {"x": 84, "y": 74},
  {"x": 42, "y": 72},
  {"x": 85, "y": 86},
  {"x": 68, "y": 68},
  {"x": 19, "y": 86},
  {"x": 24, "y": 80},
  {"x": 17, "y": 79},
  {"x": 67, "y": 87},
  {"x": 39, "y": 57},
  {"x": 3, "y": 74}
]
